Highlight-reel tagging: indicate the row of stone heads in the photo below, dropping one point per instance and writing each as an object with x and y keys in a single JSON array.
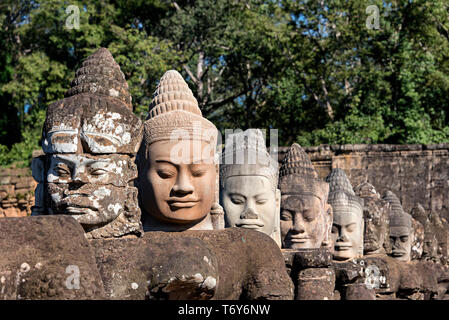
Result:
[{"x": 119, "y": 177}]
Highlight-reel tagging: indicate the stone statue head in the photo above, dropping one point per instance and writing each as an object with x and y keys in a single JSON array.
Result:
[
  {"x": 306, "y": 217},
  {"x": 248, "y": 184},
  {"x": 90, "y": 139},
  {"x": 176, "y": 161},
  {"x": 348, "y": 224},
  {"x": 441, "y": 232},
  {"x": 430, "y": 248},
  {"x": 375, "y": 215},
  {"x": 401, "y": 229}
]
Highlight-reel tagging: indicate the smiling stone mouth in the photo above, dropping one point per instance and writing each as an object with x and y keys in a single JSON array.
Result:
[
  {"x": 304, "y": 239},
  {"x": 182, "y": 204},
  {"x": 74, "y": 208},
  {"x": 248, "y": 226}
]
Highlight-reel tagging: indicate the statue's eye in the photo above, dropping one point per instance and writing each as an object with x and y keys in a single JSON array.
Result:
[
  {"x": 308, "y": 216},
  {"x": 237, "y": 200},
  {"x": 351, "y": 227},
  {"x": 334, "y": 229},
  {"x": 286, "y": 215},
  {"x": 62, "y": 171},
  {"x": 165, "y": 174},
  {"x": 98, "y": 172},
  {"x": 404, "y": 238},
  {"x": 198, "y": 173},
  {"x": 261, "y": 201}
]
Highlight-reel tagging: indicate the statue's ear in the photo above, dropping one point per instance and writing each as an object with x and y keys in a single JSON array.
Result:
[
  {"x": 329, "y": 219},
  {"x": 278, "y": 201},
  {"x": 277, "y": 228}
]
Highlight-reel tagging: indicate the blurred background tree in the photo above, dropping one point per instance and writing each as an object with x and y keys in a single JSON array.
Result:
[{"x": 311, "y": 69}]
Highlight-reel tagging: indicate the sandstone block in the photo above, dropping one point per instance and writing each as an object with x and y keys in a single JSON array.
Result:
[
  {"x": 47, "y": 257},
  {"x": 316, "y": 284},
  {"x": 359, "y": 291}
]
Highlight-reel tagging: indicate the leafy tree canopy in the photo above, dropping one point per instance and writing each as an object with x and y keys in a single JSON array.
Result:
[{"x": 311, "y": 69}]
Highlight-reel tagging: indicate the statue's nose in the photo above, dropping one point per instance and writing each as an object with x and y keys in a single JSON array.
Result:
[{"x": 249, "y": 213}]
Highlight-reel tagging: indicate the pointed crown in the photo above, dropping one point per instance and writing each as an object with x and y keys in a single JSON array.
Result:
[
  {"x": 395, "y": 203},
  {"x": 245, "y": 154},
  {"x": 101, "y": 75},
  {"x": 398, "y": 217},
  {"x": 297, "y": 175},
  {"x": 296, "y": 161},
  {"x": 96, "y": 116},
  {"x": 174, "y": 110},
  {"x": 341, "y": 194}
]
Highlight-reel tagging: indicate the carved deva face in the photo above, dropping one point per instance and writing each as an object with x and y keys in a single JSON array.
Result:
[
  {"x": 177, "y": 182},
  {"x": 430, "y": 247},
  {"x": 347, "y": 234},
  {"x": 89, "y": 188},
  {"x": 251, "y": 202},
  {"x": 303, "y": 222},
  {"x": 401, "y": 239},
  {"x": 376, "y": 226}
]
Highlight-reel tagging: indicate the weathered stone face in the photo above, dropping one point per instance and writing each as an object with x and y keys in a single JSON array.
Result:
[
  {"x": 248, "y": 189},
  {"x": 430, "y": 248},
  {"x": 375, "y": 214},
  {"x": 348, "y": 223},
  {"x": 418, "y": 240},
  {"x": 114, "y": 169},
  {"x": 90, "y": 138},
  {"x": 347, "y": 234},
  {"x": 250, "y": 202},
  {"x": 401, "y": 239},
  {"x": 401, "y": 229},
  {"x": 302, "y": 223},
  {"x": 176, "y": 191},
  {"x": 176, "y": 161},
  {"x": 306, "y": 217},
  {"x": 91, "y": 205}
]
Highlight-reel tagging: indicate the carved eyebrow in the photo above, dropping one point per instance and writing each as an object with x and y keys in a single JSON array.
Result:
[
  {"x": 350, "y": 224},
  {"x": 68, "y": 162},
  {"x": 165, "y": 161}
]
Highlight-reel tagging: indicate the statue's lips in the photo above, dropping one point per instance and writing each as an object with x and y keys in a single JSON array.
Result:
[
  {"x": 298, "y": 239},
  {"x": 248, "y": 224},
  {"x": 397, "y": 253},
  {"x": 77, "y": 205},
  {"x": 342, "y": 246},
  {"x": 74, "y": 209},
  {"x": 178, "y": 204}
]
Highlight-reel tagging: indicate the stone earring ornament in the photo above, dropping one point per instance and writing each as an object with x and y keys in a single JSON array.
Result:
[
  {"x": 248, "y": 188},
  {"x": 90, "y": 139},
  {"x": 348, "y": 224},
  {"x": 177, "y": 162},
  {"x": 306, "y": 217}
]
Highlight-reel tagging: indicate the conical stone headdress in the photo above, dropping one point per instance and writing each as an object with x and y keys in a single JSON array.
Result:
[
  {"x": 341, "y": 195},
  {"x": 419, "y": 213},
  {"x": 101, "y": 75},
  {"x": 174, "y": 113},
  {"x": 245, "y": 154},
  {"x": 398, "y": 217},
  {"x": 96, "y": 115},
  {"x": 298, "y": 176}
]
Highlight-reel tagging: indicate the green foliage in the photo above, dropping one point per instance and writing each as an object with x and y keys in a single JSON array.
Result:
[{"x": 311, "y": 69}]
